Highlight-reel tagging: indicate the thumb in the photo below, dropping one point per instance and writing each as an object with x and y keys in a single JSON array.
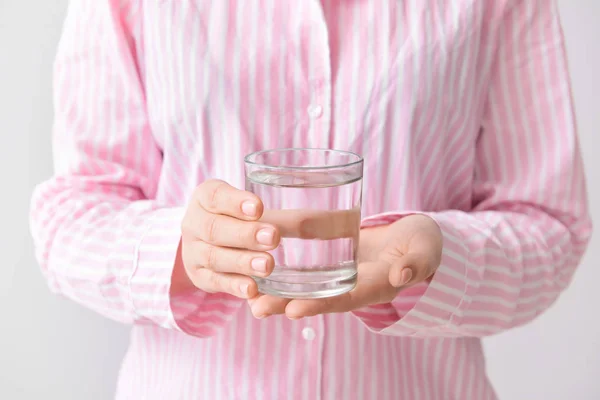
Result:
[{"x": 411, "y": 268}]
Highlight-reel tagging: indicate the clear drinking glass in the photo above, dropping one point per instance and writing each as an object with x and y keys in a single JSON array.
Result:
[{"x": 314, "y": 197}]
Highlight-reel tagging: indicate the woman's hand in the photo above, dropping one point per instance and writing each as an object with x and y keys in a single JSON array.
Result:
[
  {"x": 223, "y": 243},
  {"x": 391, "y": 257}
]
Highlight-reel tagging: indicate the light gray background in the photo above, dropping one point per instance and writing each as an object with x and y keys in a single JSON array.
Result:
[{"x": 53, "y": 349}]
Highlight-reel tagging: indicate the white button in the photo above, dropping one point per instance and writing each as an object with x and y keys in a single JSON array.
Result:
[
  {"x": 315, "y": 111},
  {"x": 308, "y": 333}
]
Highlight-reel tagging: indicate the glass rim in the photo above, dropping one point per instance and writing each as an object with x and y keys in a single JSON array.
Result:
[{"x": 359, "y": 159}]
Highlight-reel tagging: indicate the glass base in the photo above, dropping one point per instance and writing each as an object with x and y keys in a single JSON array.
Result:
[{"x": 303, "y": 283}]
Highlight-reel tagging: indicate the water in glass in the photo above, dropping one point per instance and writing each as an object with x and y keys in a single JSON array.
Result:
[{"x": 318, "y": 214}]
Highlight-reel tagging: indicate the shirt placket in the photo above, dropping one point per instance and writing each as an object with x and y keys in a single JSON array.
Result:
[
  {"x": 319, "y": 104},
  {"x": 319, "y": 113},
  {"x": 312, "y": 332}
]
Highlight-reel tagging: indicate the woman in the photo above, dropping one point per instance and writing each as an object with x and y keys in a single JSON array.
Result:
[{"x": 474, "y": 205}]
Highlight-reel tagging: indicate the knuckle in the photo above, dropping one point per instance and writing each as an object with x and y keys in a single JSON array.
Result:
[
  {"x": 186, "y": 224},
  {"x": 210, "y": 257},
  {"x": 210, "y": 228},
  {"x": 214, "y": 196},
  {"x": 207, "y": 185},
  {"x": 198, "y": 193},
  {"x": 211, "y": 182},
  {"x": 200, "y": 187}
]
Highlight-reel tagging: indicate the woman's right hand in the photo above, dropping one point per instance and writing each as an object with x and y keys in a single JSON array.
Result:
[{"x": 223, "y": 243}]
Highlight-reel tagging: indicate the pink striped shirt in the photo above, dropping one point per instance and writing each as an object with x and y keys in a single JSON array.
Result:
[{"x": 462, "y": 110}]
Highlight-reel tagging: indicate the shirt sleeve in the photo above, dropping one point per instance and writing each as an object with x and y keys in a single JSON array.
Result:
[
  {"x": 508, "y": 259},
  {"x": 102, "y": 237}
]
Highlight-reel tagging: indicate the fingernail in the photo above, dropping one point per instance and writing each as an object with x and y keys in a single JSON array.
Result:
[
  {"x": 244, "y": 289},
  {"x": 249, "y": 208},
  {"x": 265, "y": 236},
  {"x": 259, "y": 264},
  {"x": 405, "y": 276}
]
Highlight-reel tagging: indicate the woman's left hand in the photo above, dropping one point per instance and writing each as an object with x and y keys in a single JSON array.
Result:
[{"x": 391, "y": 257}]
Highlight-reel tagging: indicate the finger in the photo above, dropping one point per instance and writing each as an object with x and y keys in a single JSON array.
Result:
[
  {"x": 223, "y": 230},
  {"x": 372, "y": 288},
  {"x": 209, "y": 281},
  {"x": 230, "y": 260},
  {"x": 218, "y": 197},
  {"x": 265, "y": 305},
  {"x": 314, "y": 224},
  {"x": 300, "y": 308},
  {"x": 410, "y": 269}
]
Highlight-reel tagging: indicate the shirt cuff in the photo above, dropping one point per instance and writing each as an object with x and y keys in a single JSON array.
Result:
[
  {"x": 196, "y": 313},
  {"x": 436, "y": 306},
  {"x": 150, "y": 281}
]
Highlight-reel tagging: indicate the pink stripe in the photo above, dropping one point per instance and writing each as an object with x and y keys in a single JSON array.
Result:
[{"x": 448, "y": 103}]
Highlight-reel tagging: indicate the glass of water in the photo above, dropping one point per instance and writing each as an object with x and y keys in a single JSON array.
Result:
[{"x": 314, "y": 197}]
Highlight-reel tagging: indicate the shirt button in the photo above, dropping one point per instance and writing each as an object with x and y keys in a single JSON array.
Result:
[
  {"x": 315, "y": 111},
  {"x": 308, "y": 333}
]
